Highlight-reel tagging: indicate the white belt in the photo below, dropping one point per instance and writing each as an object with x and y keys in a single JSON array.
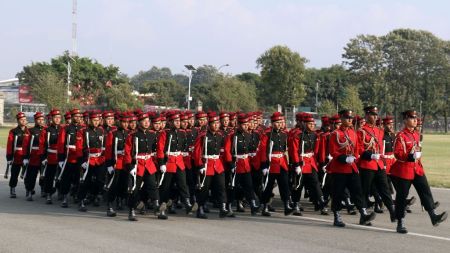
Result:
[
  {"x": 95, "y": 154},
  {"x": 71, "y": 146},
  {"x": 144, "y": 157},
  {"x": 277, "y": 155},
  {"x": 34, "y": 148},
  {"x": 119, "y": 152},
  {"x": 252, "y": 154},
  {"x": 174, "y": 153},
  {"x": 184, "y": 154},
  {"x": 18, "y": 148},
  {"x": 244, "y": 156},
  {"x": 309, "y": 155},
  {"x": 211, "y": 157},
  {"x": 53, "y": 151},
  {"x": 389, "y": 156}
]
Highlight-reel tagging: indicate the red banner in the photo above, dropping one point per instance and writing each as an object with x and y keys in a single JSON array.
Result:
[{"x": 25, "y": 95}]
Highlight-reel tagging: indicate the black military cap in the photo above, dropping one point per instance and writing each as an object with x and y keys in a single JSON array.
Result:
[
  {"x": 409, "y": 114},
  {"x": 371, "y": 110},
  {"x": 346, "y": 114}
]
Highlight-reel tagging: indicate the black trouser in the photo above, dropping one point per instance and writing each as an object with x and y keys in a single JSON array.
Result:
[
  {"x": 341, "y": 181},
  {"x": 14, "y": 176},
  {"x": 218, "y": 183},
  {"x": 257, "y": 183},
  {"x": 70, "y": 176},
  {"x": 94, "y": 181},
  {"x": 147, "y": 184},
  {"x": 402, "y": 190},
  {"x": 283, "y": 186},
  {"x": 244, "y": 184},
  {"x": 191, "y": 180},
  {"x": 378, "y": 179},
  {"x": 30, "y": 177},
  {"x": 166, "y": 187},
  {"x": 49, "y": 178},
  {"x": 118, "y": 186},
  {"x": 312, "y": 184}
]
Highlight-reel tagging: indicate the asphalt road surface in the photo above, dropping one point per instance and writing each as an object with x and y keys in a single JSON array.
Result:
[{"x": 37, "y": 227}]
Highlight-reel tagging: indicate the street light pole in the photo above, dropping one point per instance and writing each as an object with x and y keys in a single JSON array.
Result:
[
  {"x": 317, "y": 96},
  {"x": 189, "y": 98},
  {"x": 225, "y": 65}
]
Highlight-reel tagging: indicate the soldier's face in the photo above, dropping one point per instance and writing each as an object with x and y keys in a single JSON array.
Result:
[
  {"x": 22, "y": 121},
  {"x": 277, "y": 124},
  {"x": 233, "y": 123},
  {"x": 191, "y": 121},
  {"x": 202, "y": 121},
  {"x": 68, "y": 121},
  {"x": 109, "y": 121},
  {"x": 95, "y": 122},
  {"x": 124, "y": 124},
  {"x": 311, "y": 126},
  {"x": 225, "y": 122},
  {"x": 214, "y": 126},
  {"x": 411, "y": 122},
  {"x": 184, "y": 124},
  {"x": 40, "y": 121},
  {"x": 347, "y": 122},
  {"x": 371, "y": 118},
  {"x": 76, "y": 118},
  {"x": 145, "y": 123},
  {"x": 176, "y": 123},
  {"x": 56, "y": 119},
  {"x": 389, "y": 127},
  {"x": 157, "y": 126},
  {"x": 244, "y": 127},
  {"x": 163, "y": 124},
  {"x": 132, "y": 125}
]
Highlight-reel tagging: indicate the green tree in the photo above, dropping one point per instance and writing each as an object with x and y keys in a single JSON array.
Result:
[
  {"x": 120, "y": 97},
  {"x": 50, "y": 89},
  {"x": 283, "y": 71},
  {"x": 327, "y": 107},
  {"x": 165, "y": 92},
  {"x": 154, "y": 73},
  {"x": 231, "y": 94},
  {"x": 350, "y": 100}
]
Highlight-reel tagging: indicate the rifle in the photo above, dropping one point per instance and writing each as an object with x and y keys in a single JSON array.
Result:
[
  {"x": 65, "y": 161},
  {"x": 108, "y": 184},
  {"x": 266, "y": 180},
  {"x": 301, "y": 174},
  {"x": 9, "y": 165},
  {"x": 168, "y": 152},
  {"x": 206, "y": 164},
  {"x": 44, "y": 168},
  {"x": 136, "y": 144},
  {"x": 233, "y": 178},
  {"x": 23, "y": 173},
  {"x": 83, "y": 177}
]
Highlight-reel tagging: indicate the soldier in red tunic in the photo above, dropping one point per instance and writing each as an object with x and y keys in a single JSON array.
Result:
[{"x": 407, "y": 170}]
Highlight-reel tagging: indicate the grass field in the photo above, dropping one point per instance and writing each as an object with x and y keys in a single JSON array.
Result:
[{"x": 436, "y": 157}]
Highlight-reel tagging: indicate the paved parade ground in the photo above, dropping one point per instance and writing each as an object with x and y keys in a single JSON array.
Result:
[{"x": 36, "y": 227}]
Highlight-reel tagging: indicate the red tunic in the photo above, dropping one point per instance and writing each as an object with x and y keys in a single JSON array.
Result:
[
  {"x": 406, "y": 166},
  {"x": 343, "y": 143},
  {"x": 370, "y": 139}
]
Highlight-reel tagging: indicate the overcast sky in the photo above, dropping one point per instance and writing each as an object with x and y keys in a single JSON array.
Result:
[{"x": 137, "y": 34}]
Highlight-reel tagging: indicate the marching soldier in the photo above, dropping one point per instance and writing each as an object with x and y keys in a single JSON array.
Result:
[
  {"x": 236, "y": 155},
  {"x": 254, "y": 158},
  {"x": 50, "y": 153},
  {"x": 16, "y": 150},
  {"x": 67, "y": 118},
  {"x": 296, "y": 131},
  {"x": 34, "y": 150},
  {"x": 305, "y": 147},
  {"x": 372, "y": 169},
  {"x": 191, "y": 134},
  {"x": 211, "y": 169},
  {"x": 225, "y": 123},
  {"x": 118, "y": 177},
  {"x": 108, "y": 122},
  {"x": 93, "y": 159},
  {"x": 139, "y": 157},
  {"x": 170, "y": 144},
  {"x": 70, "y": 151},
  {"x": 407, "y": 170},
  {"x": 344, "y": 151},
  {"x": 274, "y": 163},
  {"x": 202, "y": 120},
  {"x": 132, "y": 124}
]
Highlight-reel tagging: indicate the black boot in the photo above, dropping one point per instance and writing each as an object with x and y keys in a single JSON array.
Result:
[
  {"x": 110, "y": 211},
  {"x": 323, "y": 206},
  {"x": 223, "y": 210},
  {"x": 187, "y": 205},
  {"x": 49, "y": 200},
  {"x": 201, "y": 213},
  {"x": 82, "y": 207},
  {"x": 132, "y": 215},
  {"x": 391, "y": 210},
  {"x": 12, "y": 193},
  {"x": 338, "y": 220},
  {"x": 96, "y": 201},
  {"x": 401, "y": 226},
  {"x": 366, "y": 218},
  {"x": 230, "y": 211},
  {"x": 408, "y": 209},
  {"x": 240, "y": 207},
  {"x": 377, "y": 208},
  {"x": 411, "y": 201},
  {"x": 265, "y": 210},
  {"x": 173, "y": 208},
  {"x": 350, "y": 207},
  {"x": 437, "y": 218},
  {"x": 297, "y": 211},
  {"x": 29, "y": 196},
  {"x": 156, "y": 207},
  {"x": 65, "y": 202},
  {"x": 254, "y": 208},
  {"x": 287, "y": 208},
  {"x": 162, "y": 211},
  {"x": 205, "y": 208}
]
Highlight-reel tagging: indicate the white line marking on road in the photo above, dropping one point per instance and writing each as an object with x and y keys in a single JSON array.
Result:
[
  {"x": 443, "y": 189},
  {"x": 377, "y": 228}
]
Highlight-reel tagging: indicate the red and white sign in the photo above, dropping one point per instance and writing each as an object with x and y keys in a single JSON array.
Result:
[{"x": 25, "y": 95}]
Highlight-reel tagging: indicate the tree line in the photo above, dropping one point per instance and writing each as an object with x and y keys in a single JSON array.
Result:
[{"x": 402, "y": 69}]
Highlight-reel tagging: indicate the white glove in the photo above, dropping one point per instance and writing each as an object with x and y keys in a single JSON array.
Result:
[
  {"x": 133, "y": 172},
  {"x": 202, "y": 170},
  {"x": 84, "y": 165},
  {"x": 44, "y": 162},
  {"x": 233, "y": 170},
  {"x": 330, "y": 158},
  {"x": 110, "y": 170},
  {"x": 417, "y": 155},
  {"x": 25, "y": 162},
  {"x": 350, "y": 159},
  {"x": 265, "y": 171},
  {"x": 298, "y": 170},
  {"x": 61, "y": 164},
  {"x": 163, "y": 168},
  {"x": 375, "y": 156}
]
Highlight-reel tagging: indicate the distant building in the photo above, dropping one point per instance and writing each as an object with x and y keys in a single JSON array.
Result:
[{"x": 10, "y": 89}]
